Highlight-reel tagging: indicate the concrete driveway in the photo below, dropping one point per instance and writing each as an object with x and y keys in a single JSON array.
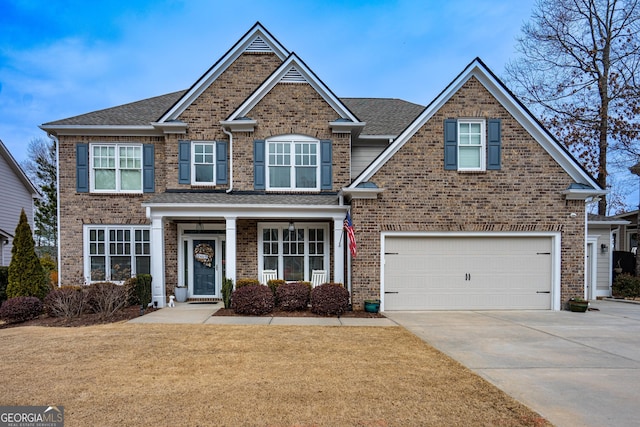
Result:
[{"x": 575, "y": 369}]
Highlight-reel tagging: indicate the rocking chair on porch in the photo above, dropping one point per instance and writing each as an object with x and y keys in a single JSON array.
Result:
[
  {"x": 318, "y": 277},
  {"x": 268, "y": 275}
]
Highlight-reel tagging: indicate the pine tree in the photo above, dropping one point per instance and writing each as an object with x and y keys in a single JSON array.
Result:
[{"x": 26, "y": 275}]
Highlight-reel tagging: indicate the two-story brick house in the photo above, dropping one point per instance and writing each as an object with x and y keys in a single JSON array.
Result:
[{"x": 466, "y": 203}]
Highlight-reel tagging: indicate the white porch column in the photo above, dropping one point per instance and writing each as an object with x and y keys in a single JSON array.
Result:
[
  {"x": 231, "y": 248},
  {"x": 338, "y": 250},
  {"x": 157, "y": 261}
]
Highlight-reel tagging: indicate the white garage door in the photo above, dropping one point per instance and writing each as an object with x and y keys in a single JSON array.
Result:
[{"x": 467, "y": 273}]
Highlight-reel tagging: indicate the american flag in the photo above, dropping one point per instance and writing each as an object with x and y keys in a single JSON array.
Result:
[{"x": 348, "y": 226}]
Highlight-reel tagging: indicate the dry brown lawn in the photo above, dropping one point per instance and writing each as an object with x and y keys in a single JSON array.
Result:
[{"x": 209, "y": 375}]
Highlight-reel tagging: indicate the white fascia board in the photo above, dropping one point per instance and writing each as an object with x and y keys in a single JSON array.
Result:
[
  {"x": 200, "y": 210},
  {"x": 362, "y": 193},
  {"x": 172, "y": 127},
  {"x": 479, "y": 71},
  {"x": 579, "y": 194},
  {"x": 309, "y": 76},
  {"x": 102, "y": 130},
  {"x": 239, "y": 125},
  {"x": 221, "y": 66}
]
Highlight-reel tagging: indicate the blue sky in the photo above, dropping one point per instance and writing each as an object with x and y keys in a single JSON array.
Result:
[{"x": 63, "y": 58}]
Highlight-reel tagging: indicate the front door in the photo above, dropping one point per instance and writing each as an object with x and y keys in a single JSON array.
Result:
[{"x": 204, "y": 268}]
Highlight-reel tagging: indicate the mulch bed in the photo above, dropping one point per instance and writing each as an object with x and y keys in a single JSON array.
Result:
[
  {"x": 305, "y": 313},
  {"x": 86, "y": 319}
]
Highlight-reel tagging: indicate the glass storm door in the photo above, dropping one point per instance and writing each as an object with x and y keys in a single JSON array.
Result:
[{"x": 204, "y": 267}]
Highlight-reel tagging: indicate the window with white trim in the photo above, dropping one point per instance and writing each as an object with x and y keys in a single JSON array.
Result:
[
  {"x": 471, "y": 145},
  {"x": 292, "y": 163},
  {"x": 293, "y": 254},
  {"x": 115, "y": 253},
  {"x": 116, "y": 168},
  {"x": 203, "y": 159}
]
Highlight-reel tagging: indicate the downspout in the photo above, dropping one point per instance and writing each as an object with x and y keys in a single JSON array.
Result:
[
  {"x": 58, "y": 204},
  {"x": 230, "y": 135}
]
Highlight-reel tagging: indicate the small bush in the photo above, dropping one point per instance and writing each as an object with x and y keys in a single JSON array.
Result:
[
  {"x": 20, "y": 309},
  {"x": 293, "y": 296},
  {"x": 227, "y": 290},
  {"x": 67, "y": 301},
  {"x": 626, "y": 286},
  {"x": 329, "y": 299},
  {"x": 274, "y": 284},
  {"x": 106, "y": 298},
  {"x": 142, "y": 289},
  {"x": 246, "y": 282},
  {"x": 4, "y": 279},
  {"x": 253, "y": 299},
  {"x": 130, "y": 286}
]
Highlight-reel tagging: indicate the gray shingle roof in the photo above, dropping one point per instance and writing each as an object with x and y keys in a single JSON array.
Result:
[
  {"x": 139, "y": 113},
  {"x": 245, "y": 199},
  {"x": 384, "y": 116}
]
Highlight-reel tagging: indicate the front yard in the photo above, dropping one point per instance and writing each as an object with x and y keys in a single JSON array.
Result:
[{"x": 145, "y": 374}]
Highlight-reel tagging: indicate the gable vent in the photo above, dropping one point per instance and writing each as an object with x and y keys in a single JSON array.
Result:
[
  {"x": 258, "y": 45},
  {"x": 293, "y": 76}
]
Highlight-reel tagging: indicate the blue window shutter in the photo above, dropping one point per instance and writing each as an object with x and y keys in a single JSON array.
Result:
[
  {"x": 184, "y": 162},
  {"x": 326, "y": 168},
  {"x": 221, "y": 162},
  {"x": 259, "y": 165},
  {"x": 450, "y": 144},
  {"x": 494, "y": 144},
  {"x": 148, "y": 169},
  {"x": 82, "y": 168}
]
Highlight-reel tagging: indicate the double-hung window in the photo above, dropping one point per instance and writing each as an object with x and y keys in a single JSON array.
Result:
[
  {"x": 293, "y": 253},
  {"x": 292, "y": 163},
  {"x": 115, "y": 253},
  {"x": 203, "y": 171},
  {"x": 471, "y": 145},
  {"x": 116, "y": 168}
]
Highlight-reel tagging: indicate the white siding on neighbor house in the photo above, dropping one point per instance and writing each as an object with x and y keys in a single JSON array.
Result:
[
  {"x": 603, "y": 259},
  {"x": 14, "y": 197},
  {"x": 363, "y": 155}
]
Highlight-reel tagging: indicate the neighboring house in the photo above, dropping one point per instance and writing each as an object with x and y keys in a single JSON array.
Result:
[
  {"x": 626, "y": 236},
  {"x": 600, "y": 247},
  {"x": 16, "y": 193},
  {"x": 468, "y": 203}
]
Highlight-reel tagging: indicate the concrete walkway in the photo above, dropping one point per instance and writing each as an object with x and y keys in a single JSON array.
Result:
[
  {"x": 575, "y": 369},
  {"x": 202, "y": 314}
]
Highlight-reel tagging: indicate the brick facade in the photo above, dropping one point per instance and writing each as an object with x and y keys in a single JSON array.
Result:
[
  {"x": 419, "y": 195},
  {"x": 524, "y": 195}
]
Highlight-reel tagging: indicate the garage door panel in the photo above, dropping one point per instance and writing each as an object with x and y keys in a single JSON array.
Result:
[{"x": 451, "y": 273}]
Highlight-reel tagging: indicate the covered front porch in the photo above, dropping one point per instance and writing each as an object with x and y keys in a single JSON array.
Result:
[{"x": 200, "y": 238}]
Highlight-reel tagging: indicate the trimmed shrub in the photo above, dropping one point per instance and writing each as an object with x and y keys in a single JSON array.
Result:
[
  {"x": 293, "y": 296},
  {"x": 246, "y": 282},
  {"x": 106, "y": 298},
  {"x": 142, "y": 289},
  {"x": 253, "y": 299},
  {"x": 329, "y": 299},
  {"x": 20, "y": 309},
  {"x": 4, "y": 279},
  {"x": 67, "y": 301},
  {"x": 273, "y": 284},
  {"x": 626, "y": 286},
  {"x": 227, "y": 290},
  {"x": 130, "y": 286},
  {"x": 26, "y": 275}
]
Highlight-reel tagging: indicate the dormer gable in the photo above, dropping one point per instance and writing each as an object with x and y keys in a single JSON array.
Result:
[{"x": 294, "y": 71}]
